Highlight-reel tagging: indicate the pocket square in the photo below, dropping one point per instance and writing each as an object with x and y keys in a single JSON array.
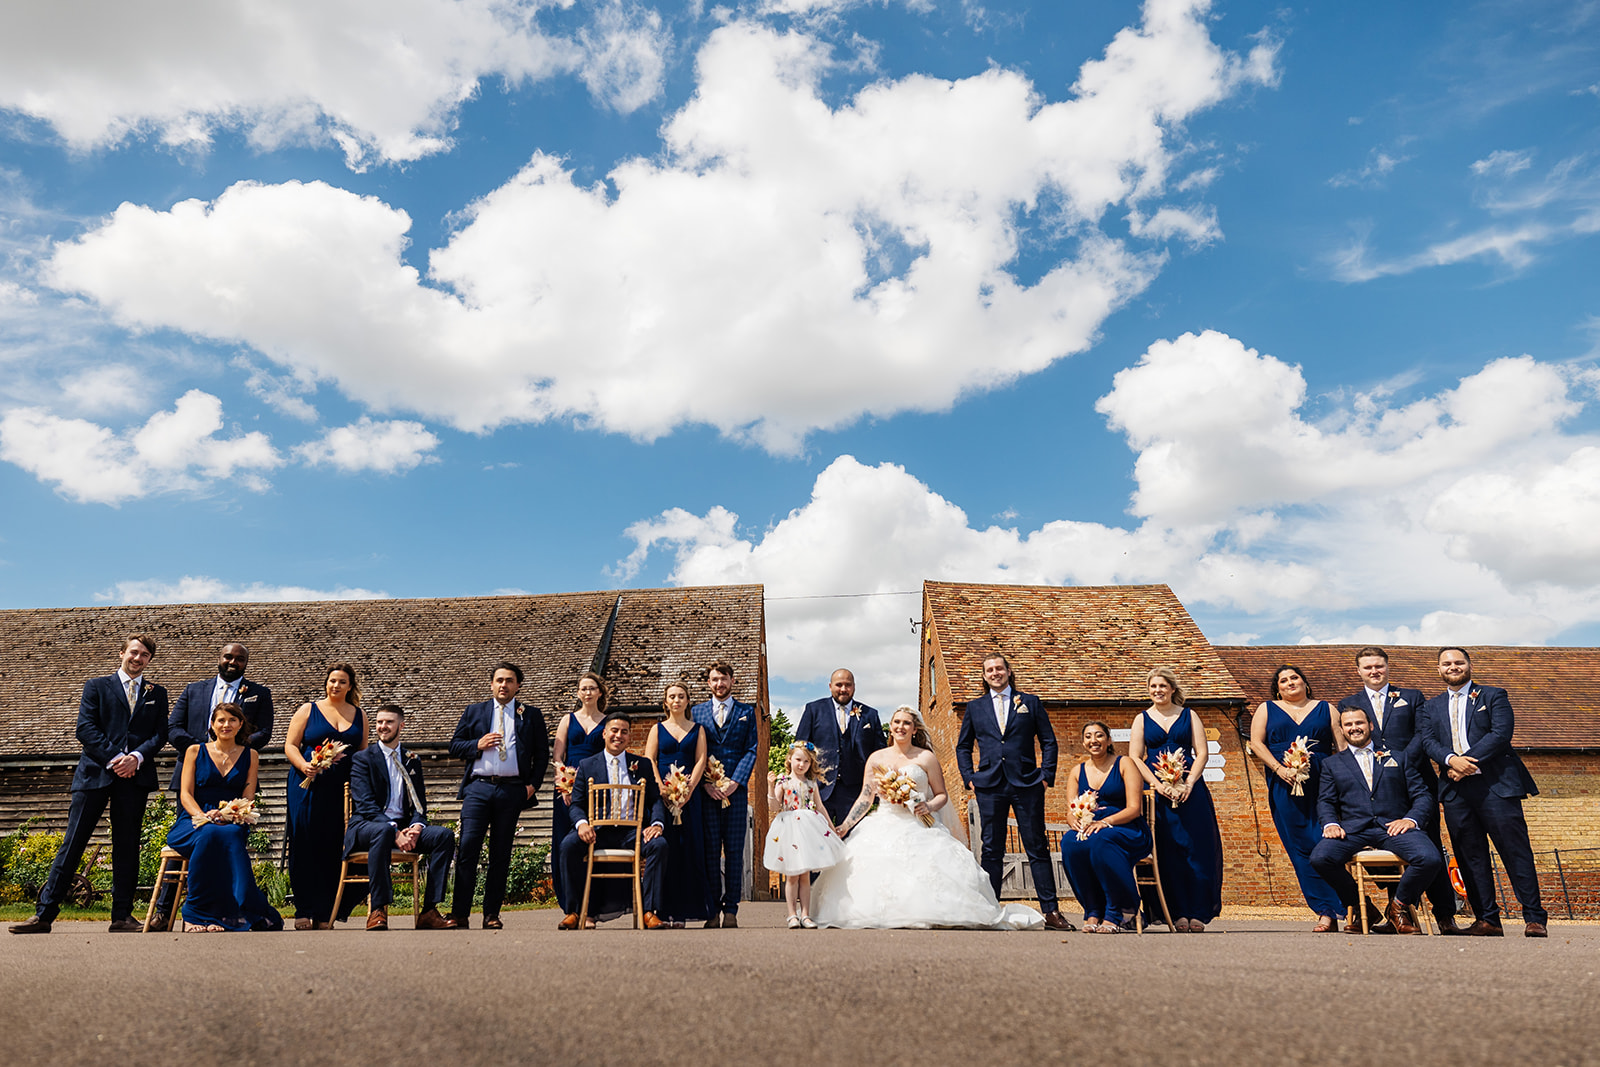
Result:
[
  {"x": 1399, "y": 702},
  {"x": 1390, "y": 763},
  {"x": 248, "y": 699}
]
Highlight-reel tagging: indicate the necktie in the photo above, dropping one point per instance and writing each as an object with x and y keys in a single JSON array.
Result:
[
  {"x": 722, "y": 714},
  {"x": 1458, "y": 721},
  {"x": 1364, "y": 759},
  {"x": 507, "y": 725},
  {"x": 842, "y": 716},
  {"x": 411, "y": 789},
  {"x": 1000, "y": 712},
  {"x": 1377, "y": 705},
  {"x": 619, "y": 776},
  {"x": 133, "y": 693}
]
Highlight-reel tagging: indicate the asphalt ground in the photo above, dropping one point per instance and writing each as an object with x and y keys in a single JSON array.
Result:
[{"x": 1249, "y": 991}]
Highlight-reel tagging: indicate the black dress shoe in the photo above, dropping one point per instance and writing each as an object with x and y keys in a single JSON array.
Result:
[
  {"x": 492, "y": 922},
  {"x": 127, "y": 926},
  {"x": 34, "y": 925},
  {"x": 1056, "y": 921},
  {"x": 159, "y": 923},
  {"x": 1447, "y": 925},
  {"x": 730, "y": 921}
]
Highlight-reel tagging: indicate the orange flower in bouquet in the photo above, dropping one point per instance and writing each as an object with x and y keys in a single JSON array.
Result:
[
  {"x": 898, "y": 787},
  {"x": 716, "y": 775},
  {"x": 675, "y": 792},
  {"x": 1170, "y": 768},
  {"x": 1297, "y": 757},
  {"x": 323, "y": 756},
  {"x": 1081, "y": 811}
]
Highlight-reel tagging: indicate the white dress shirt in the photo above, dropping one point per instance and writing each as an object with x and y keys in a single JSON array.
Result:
[
  {"x": 225, "y": 692},
  {"x": 396, "y": 808},
  {"x": 138, "y": 686},
  {"x": 490, "y": 763},
  {"x": 720, "y": 710}
]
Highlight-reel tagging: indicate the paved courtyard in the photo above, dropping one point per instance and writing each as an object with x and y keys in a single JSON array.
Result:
[{"x": 1250, "y": 991}]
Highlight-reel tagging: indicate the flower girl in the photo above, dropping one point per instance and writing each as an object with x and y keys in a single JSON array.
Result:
[{"x": 801, "y": 838}]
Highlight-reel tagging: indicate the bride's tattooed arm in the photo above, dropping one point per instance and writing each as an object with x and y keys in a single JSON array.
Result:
[{"x": 859, "y": 810}]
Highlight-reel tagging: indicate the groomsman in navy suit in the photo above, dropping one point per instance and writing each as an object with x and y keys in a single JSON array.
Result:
[
  {"x": 190, "y": 724},
  {"x": 1005, "y": 723},
  {"x": 122, "y": 724},
  {"x": 1393, "y": 715},
  {"x": 615, "y": 766},
  {"x": 845, "y": 734},
  {"x": 1467, "y": 732},
  {"x": 1372, "y": 796},
  {"x": 730, "y": 727},
  {"x": 389, "y": 811},
  {"x": 506, "y": 748}
]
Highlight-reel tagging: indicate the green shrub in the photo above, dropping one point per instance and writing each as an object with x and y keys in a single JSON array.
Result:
[
  {"x": 528, "y": 881},
  {"x": 30, "y": 864},
  {"x": 273, "y": 882},
  {"x": 159, "y": 815},
  {"x": 780, "y": 736},
  {"x": 9, "y": 844}
]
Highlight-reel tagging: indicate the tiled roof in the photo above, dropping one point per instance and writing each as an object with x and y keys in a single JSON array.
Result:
[
  {"x": 1074, "y": 642},
  {"x": 1552, "y": 690},
  {"x": 430, "y": 656}
]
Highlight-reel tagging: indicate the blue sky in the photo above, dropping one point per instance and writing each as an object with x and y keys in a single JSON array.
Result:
[{"x": 1291, "y": 307}]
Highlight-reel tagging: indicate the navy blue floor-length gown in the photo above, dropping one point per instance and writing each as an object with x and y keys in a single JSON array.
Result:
[
  {"x": 684, "y": 889},
  {"x": 1100, "y": 867},
  {"x": 1296, "y": 817},
  {"x": 222, "y": 888},
  {"x": 1188, "y": 840},
  {"x": 316, "y": 820}
]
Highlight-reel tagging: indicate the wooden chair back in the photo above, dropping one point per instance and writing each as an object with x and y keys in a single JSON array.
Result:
[{"x": 616, "y": 806}]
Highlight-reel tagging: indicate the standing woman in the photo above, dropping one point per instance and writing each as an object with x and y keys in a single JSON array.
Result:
[
  {"x": 679, "y": 740},
  {"x": 1100, "y": 865},
  {"x": 578, "y": 736},
  {"x": 1292, "y": 713},
  {"x": 316, "y": 812},
  {"x": 1186, "y": 834}
]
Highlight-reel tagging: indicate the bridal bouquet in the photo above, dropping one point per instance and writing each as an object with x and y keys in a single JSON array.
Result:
[
  {"x": 1297, "y": 757},
  {"x": 716, "y": 775},
  {"x": 1170, "y": 768},
  {"x": 675, "y": 792},
  {"x": 1081, "y": 811},
  {"x": 323, "y": 756},
  {"x": 240, "y": 811},
  {"x": 898, "y": 787},
  {"x": 566, "y": 777}
]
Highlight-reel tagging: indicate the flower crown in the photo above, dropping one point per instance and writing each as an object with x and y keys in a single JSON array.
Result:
[{"x": 807, "y": 745}]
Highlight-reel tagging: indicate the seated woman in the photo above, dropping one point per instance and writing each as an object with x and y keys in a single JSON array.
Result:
[
  {"x": 223, "y": 894},
  {"x": 1100, "y": 865}
]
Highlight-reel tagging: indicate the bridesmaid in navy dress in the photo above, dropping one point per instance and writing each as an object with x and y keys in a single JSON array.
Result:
[
  {"x": 1292, "y": 713},
  {"x": 316, "y": 813},
  {"x": 578, "y": 737},
  {"x": 1100, "y": 867},
  {"x": 680, "y": 740},
  {"x": 222, "y": 891},
  {"x": 1188, "y": 841}
]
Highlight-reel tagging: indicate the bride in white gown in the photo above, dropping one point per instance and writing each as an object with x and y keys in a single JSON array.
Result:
[{"x": 898, "y": 872}]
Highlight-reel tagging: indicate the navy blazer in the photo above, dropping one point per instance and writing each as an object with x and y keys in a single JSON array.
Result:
[
  {"x": 106, "y": 729},
  {"x": 1398, "y": 792},
  {"x": 734, "y": 745},
  {"x": 369, "y": 792},
  {"x": 1490, "y": 724},
  {"x": 594, "y": 769},
  {"x": 1401, "y": 715},
  {"x": 190, "y": 720},
  {"x": 533, "y": 743},
  {"x": 862, "y": 736},
  {"x": 1006, "y": 761}
]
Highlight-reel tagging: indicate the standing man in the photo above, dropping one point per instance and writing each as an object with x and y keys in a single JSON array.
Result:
[
  {"x": 1393, "y": 716},
  {"x": 730, "y": 728},
  {"x": 388, "y": 811},
  {"x": 506, "y": 748},
  {"x": 190, "y": 723},
  {"x": 845, "y": 733},
  {"x": 1467, "y": 732},
  {"x": 1005, "y": 723},
  {"x": 122, "y": 724}
]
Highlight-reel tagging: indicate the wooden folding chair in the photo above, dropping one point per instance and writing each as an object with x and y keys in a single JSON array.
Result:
[
  {"x": 1375, "y": 867},
  {"x": 616, "y": 806},
  {"x": 348, "y": 877},
  {"x": 179, "y": 875},
  {"x": 1147, "y": 872}
]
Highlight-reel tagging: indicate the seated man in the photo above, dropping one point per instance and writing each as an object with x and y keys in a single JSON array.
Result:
[
  {"x": 388, "y": 811},
  {"x": 616, "y": 766},
  {"x": 1373, "y": 799}
]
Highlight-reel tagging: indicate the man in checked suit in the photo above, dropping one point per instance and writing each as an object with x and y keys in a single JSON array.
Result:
[
  {"x": 730, "y": 727},
  {"x": 845, "y": 734},
  {"x": 122, "y": 724}
]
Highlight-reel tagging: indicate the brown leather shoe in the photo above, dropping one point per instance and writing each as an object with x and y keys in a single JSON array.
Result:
[
  {"x": 34, "y": 925},
  {"x": 568, "y": 922},
  {"x": 1399, "y": 916},
  {"x": 714, "y": 923},
  {"x": 1447, "y": 925},
  {"x": 378, "y": 919},
  {"x": 730, "y": 921},
  {"x": 127, "y": 926},
  {"x": 1352, "y": 925},
  {"x": 1535, "y": 930},
  {"x": 651, "y": 922},
  {"x": 1056, "y": 921},
  {"x": 492, "y": 922},
  {"x": 159, "y": 923},
  {"x": 303, "y": 924},
  {"x": 432, "y": 920},
  {"x": 1479, "y": 928}
]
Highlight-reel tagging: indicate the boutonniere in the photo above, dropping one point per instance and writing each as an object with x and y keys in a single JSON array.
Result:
[
  {"x": 1475, "y": 694},
  {"x": 855, "y": 711},
  {"x": 1017, "y": 705},
  {"x": 1381, "y": 754}
]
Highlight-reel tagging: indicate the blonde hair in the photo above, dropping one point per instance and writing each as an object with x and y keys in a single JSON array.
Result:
[
  {"x": 1171, "y": 678},
  {"x": 817, "y": 771},
  {"x": 919, "y": 729}
]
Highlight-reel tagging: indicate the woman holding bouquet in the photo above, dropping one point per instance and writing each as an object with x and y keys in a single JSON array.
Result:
[
  {"x": 223, "y": 894},
  {"x": 578, "y": 736},
  {"x": 678, "y": 742},
  {"x": 1111, "y": 836},
  {"x": 1168, "y": 741},
  {"x": 1280, "y": 732},
  {"x": 315, "y": 795}
]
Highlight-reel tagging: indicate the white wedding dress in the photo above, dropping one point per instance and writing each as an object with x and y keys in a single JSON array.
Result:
[{"x": 897, "y": 873}]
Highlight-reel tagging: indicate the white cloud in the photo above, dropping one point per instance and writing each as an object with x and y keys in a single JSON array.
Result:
[
  {"x": 383, "y": 80},
  {"x": 777, "y": 247},
  {"x": 107, "y": 388},
  {"x": 176, "y": 450},
  {"x": 624, "y": 55},
  {"x": 199, "y": 589},
  {"x": 1370, "y": 174},
  {"x": 283, "y": 393},
  {"x": 386, "y": 447},
  {"x": 1503, "y": 161},
  {"x": 1512, "y": 247}
]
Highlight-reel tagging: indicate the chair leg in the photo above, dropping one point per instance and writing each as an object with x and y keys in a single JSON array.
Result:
[
  {"x": 338, "y": 894},
  {"x": 181, "y": 893},
  {"x": 155, "y": 893},
  {"x": 588, "y": 880},
  {"x": 1361, "y": 898},
  {"x": 638, "y": 894},
  {"x": 416, "y": 891}
]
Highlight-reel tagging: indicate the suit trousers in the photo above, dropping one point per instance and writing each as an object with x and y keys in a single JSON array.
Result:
[
  {"x": 725, "y": 834},
  {"x": 575, "y": 864},
  {"x": 376, "y": 839},
  {"x": 126, "y": 802},
  {"x": 994, "y": 807},
  {"x": 1474, "y": 821},
  {"x": 487, "y": 809},
  {"x": 1421, "y": 856}
]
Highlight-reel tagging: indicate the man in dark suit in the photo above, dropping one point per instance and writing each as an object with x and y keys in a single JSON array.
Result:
[
  {"x": 615, "y": 766},
  {"x": 1467, "y": 732},
  {"x": 1005, "y": 723},
  {"x": 506, "y": 748},
  {"x": 731, "y": 733},
  {"x": 1393, "y": 714},
  {"x": 389, "y": 811},
  {"x": 122, "y": 724},
  {"x": 190, "y": 724},
  {"x": 845, "y": 734},
  {"x": 1371, "y": 796}
]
